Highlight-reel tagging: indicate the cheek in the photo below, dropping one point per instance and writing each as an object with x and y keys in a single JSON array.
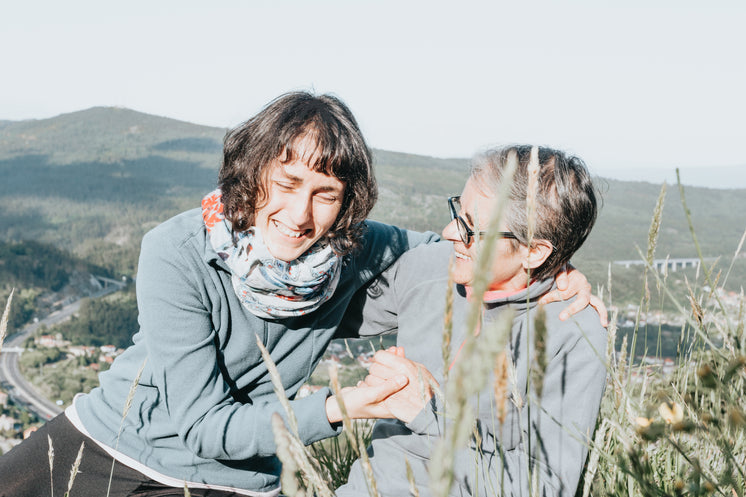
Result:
[{"x": 327, "y": 215}]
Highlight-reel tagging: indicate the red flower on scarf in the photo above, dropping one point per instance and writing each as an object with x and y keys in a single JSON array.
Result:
[{"x": 212, "y": 209}]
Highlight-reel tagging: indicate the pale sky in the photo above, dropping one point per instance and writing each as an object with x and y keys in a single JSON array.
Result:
[{"x": 625, "y": 85}]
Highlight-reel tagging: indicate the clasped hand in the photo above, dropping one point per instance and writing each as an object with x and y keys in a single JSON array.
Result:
[
  {"x": 396, "y": 387},
  {"x": 406, "y": 403}
]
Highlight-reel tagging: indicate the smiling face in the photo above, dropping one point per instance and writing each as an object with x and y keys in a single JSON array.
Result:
[
  {"x": 507, "y": 271},
  {"x": 301, "y": 205}
]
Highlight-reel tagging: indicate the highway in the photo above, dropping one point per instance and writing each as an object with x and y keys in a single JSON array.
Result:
[{"x": 20, "y": 390}]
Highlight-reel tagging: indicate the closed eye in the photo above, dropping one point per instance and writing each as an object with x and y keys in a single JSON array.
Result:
[
  {"x": 284, "y": 185},
  {"x": 327, "y": 199}
]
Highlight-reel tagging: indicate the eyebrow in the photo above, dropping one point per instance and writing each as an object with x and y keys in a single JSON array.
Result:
[
  {"x": 290, "y": 177},
  {"x": 298, "y": 180},
  {"x": 469, "y": 219}
]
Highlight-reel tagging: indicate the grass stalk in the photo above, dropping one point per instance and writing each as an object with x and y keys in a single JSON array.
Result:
[
  {"x": 448, "y": 323},
  {"x": 4, "y": 320},
  {"x": 74, "y": 469},
  {"x": 50, "y": 458},
  {"x": 274, "y": 375},
  {"x": 355, "y": 440},
  {"x": 125, "y": 412}
]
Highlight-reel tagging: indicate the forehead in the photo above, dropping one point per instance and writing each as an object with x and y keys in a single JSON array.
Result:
[
  {"x": 304, "y": 148},
  {"x": 475, "y": 201}
]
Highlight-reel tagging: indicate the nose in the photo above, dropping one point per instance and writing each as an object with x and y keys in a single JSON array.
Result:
[
  {"x": 450, "y": 232},
  {"x": 300, "y": 210}
]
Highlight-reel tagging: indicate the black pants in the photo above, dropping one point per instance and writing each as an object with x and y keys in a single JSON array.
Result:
[{"x": 24, "y": 471}]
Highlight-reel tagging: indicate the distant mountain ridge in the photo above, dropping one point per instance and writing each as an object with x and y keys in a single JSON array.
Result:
[
  {"x": 129, "y": 135},
  {"x": 106, "y": 134},
  {"x": 717, "y": 177},
  {"x": 96, "y": 180}
]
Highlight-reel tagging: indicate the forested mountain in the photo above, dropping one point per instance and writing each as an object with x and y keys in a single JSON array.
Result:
[
  {"x": 34, "y": 268},
  {"x": 93, "y": 182}
]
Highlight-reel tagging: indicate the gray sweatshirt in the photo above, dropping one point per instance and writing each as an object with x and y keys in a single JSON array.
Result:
[{"x": 410, "y": 297}]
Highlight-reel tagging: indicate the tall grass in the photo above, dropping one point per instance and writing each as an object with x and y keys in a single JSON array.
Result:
[{"x": 682, "y": 433}]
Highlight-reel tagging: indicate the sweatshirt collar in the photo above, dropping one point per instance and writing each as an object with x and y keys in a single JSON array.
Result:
[{"x": 531, "y": 294}]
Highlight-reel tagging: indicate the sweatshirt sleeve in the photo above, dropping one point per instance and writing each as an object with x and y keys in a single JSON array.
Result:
[
  {"x": 183, "y": 364},
  {"x": 383, "y": 244},
  {"x": 373, "y": 309}
]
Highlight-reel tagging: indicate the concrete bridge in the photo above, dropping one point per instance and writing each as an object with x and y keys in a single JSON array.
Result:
[
  {"x": 104, "y": 283},
  {"x": 664, "y": 265}
]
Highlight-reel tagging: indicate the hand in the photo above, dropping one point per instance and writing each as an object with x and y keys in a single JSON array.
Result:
[
  {"x": 365, "y": 401},
  {"x": 409, "y": 401},
  {"x": 571, "y": 282}
]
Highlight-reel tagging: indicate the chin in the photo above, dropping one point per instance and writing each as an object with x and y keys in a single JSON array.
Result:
[
  {"x": 462, "y": 280},
  {"x": 286, "y": 255}
]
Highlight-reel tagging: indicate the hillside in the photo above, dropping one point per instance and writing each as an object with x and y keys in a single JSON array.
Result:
[
  {"x": 108, "y": 135},
  {"x": 93, "y": 182}
]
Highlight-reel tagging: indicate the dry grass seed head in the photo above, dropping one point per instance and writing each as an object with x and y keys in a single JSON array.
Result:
[
  {"x": 74, "y": 469},
  {"x": 655, "y": 224},
  {"x": 593, "y": 458},
  {"x": 448, "y": 322},
  {"x": 356, "y": 440},
  {"x": 500, "y": 387},
  {"x": 697, "y": 312},
  {"x": 410, "y": 478},
  {"x": 50, "y": 457},
  {"x": 304, "y": 475},
  {"x": 290, "y": 477},
  {"x": 540, "y": 351},
  {"x": 611, "y": 338},
  {"x": 4, "y": 320},
  {"x": 531, "y": 192}
]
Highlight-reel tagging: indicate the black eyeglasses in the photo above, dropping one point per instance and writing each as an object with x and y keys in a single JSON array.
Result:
[{"x": 464, "y": 231}]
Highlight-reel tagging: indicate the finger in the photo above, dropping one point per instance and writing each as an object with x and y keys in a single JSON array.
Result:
[
  {"x": 387, "y": 388},
  {"x": 382, "y": 371},
  {"x": 391, "y": 351},
  {"x": 400, "y": 351},
  {"x": 598, "y": 304},
  {"x": 372, "y": 381},
  {"x": 573, "y": 308},
  {"x": 551, "y": 296},
  {"x": 393, "y": 361},
  {"x": 562, "y": 280}
]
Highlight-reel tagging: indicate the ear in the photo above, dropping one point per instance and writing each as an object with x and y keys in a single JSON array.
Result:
[{"x": 537, "y": 254}]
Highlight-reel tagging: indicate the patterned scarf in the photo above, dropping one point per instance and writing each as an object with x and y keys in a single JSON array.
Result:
[{"x": 267, "y": 287}]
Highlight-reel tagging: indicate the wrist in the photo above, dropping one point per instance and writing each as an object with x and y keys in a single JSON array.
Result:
[{"x": 333, "y": 413}]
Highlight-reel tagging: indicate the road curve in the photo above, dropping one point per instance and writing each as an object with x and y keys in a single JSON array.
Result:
[{"x": 20, "y": 390}]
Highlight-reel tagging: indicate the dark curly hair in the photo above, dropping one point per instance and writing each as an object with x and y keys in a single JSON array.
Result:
[{"x": 274, "y": 134}]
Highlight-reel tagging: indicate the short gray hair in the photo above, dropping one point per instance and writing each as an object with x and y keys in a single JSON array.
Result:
[{"x": 566, "y": 204}]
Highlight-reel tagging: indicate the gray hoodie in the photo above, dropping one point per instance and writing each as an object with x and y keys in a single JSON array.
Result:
[{"x": 410, "y": 297}]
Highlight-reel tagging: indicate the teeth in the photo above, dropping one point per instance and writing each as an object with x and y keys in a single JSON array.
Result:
[
  {"x": 287, "y": 231},
  {"x": 462, "y": 256}
]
